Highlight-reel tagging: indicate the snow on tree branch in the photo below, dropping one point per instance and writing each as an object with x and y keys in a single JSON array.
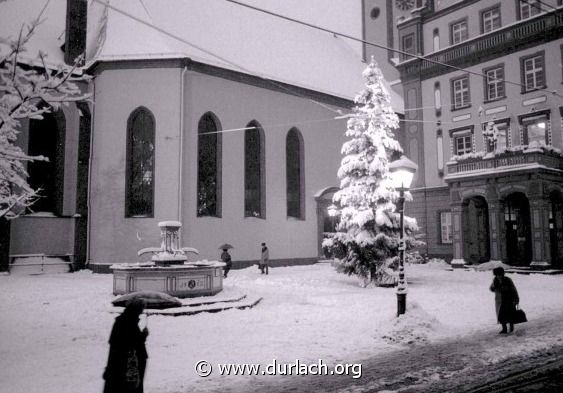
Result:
[
  {"x": 27, "y": 92},
  {"x": 367, "y": 239}
]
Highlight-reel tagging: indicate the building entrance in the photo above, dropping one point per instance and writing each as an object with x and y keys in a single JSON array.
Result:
[
  {"x": 476, "y": 247},
  {"x": 518, "y": 233},
  {"x": 556, "y": 229}
]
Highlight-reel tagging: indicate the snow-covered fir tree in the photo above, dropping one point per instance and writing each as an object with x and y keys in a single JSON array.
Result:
[
  {"x": 367, "y": 238},
  {"x": 28, "y": 89}
]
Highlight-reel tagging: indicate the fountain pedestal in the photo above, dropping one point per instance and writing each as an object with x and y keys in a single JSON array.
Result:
[{"x": 168, "y": 270}]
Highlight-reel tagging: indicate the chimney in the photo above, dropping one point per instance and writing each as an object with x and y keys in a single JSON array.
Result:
[{"x": 75, "y": 35}]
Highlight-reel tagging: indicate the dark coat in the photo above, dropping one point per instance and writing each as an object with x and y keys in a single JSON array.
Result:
[
  {"x": 226, "y": 257},
  {"x": 127, "y": 356},
  {"x": 506, "y": 298}
]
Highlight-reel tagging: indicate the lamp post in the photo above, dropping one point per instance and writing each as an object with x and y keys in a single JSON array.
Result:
[{"x": 402, "y": 172}]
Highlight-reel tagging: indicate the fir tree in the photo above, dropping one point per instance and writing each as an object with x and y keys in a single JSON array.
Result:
[
  {"x": 28, "y": 89},
  {"x": 367, "y": 239}
]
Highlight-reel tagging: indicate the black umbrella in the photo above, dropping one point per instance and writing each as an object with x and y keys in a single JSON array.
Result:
[{"x": 225, "y": 246}]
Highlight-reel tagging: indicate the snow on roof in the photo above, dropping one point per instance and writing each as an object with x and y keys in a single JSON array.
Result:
[{"x": 213, "y": 32}]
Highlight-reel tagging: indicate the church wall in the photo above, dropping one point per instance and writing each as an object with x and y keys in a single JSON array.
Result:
[
  {"x": 114, "y": 238},
  {"x": 235, "y": 105}
]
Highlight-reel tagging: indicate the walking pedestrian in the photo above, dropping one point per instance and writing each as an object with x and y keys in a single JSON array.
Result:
[
  {"x": 506, "y": 299},
  {"x": 264, "y": 259},
  {"x": 127, "y": 358},
  {"x": 226, "y": 257}
]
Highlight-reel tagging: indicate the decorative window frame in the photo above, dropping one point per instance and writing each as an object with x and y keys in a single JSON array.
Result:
[
  {"x": 218, "y": 163},
  {"x": 262, "y": 174},
  {"x": 523, "y": 60},
  {"x": 128, "y": 159},
  {"x": 461, "y": 131},
  {"x": 301, "y": 174},
  {"x": 440, "y": 227},
  {"x": 528, "y": 117},
  {"x": 411, "y": 49},
  {"x": 535, "y": 6},
  {"x": 451, "y": 30},
  {"x": 482, "y": 13},
  {"x": 452, "y": 91},
  {"x": 486, "y": 83}
]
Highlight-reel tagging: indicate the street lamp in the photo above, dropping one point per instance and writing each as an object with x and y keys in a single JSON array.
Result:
[{"x": 402, "y": 171}]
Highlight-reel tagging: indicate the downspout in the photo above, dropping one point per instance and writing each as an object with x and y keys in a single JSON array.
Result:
[
  {"x": 90, "y": 160},
  {"x": 181, "y": 142}
]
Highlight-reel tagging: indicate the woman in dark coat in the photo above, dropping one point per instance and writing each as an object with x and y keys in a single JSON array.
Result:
[
  {"x": 127, "y": 358},
  {"x": 506, "y": 299}
]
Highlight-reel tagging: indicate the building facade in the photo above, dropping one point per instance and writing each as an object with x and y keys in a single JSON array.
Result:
[
  {"x": 233, "y": 128},
  {"x": 483, "y": 113}
]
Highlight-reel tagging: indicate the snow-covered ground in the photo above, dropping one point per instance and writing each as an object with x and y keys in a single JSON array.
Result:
[{"x": 54, "y": 327}]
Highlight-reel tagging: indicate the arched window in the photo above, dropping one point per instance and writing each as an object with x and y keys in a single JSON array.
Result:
[
  {"x": 139, "y": 196},
  {"x": 208, "y": 167},
  {"x": 294, "y": 174},
  {"x": 47, "y": 138},
  {"x": 254, "y": 187}
]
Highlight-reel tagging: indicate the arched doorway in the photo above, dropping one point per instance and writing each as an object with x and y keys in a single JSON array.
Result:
[
  {"x": 556, "y": 228},
  {"x": 518, "y": 231},
  {"x": 476, "y": 245},
  {"x": 326, "y": 223}
]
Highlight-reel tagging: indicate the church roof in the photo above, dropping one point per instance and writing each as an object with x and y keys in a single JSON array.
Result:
[{"x": 214, "y": 32}]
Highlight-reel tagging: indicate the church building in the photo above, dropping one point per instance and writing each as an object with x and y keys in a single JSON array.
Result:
[{"x": 221, "y": 117}]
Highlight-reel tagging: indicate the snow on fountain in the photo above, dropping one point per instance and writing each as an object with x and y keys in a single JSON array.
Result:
[{"x": 168, "y": 271}]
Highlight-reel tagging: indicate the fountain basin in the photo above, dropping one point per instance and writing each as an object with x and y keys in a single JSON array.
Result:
[{"x": 191, "y": 279}]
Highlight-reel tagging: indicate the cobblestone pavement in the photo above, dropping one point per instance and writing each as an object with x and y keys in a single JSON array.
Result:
[{"x": 456, "y": 366}]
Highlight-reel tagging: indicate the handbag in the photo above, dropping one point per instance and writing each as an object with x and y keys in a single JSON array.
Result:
[
  {"x": 132, "y": 377},
  {"x": 519, "y": 316}
]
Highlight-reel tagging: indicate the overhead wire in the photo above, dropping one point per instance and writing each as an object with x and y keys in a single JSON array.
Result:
[
  {"x": 204, "y": 50},
  {"x": 289, "y": 90},
  {"x": 381, "y": 46}
]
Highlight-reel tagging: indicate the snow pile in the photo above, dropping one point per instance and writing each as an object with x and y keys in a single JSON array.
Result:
[
  {"x": 58, "y": 325},
  {"x": 438, "y": 263},
  {"x": 416, "y": 326}
]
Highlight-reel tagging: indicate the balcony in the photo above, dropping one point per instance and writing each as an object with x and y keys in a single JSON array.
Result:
[
  {"x": 494, "y": 165},
  {"x": 541, "y": 28}
]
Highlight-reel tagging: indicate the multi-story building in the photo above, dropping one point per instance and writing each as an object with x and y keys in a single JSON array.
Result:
[{"x": 483, "y": 118}]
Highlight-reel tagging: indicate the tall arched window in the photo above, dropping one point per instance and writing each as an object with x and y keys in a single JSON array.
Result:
[
  {"x": 139, "y": 195},
  {"x": 254, "y": 184},
  {"x": 47, "y": 138},
  {"x": 294, "y": 174},
  {"x": 208, "y": 167}
]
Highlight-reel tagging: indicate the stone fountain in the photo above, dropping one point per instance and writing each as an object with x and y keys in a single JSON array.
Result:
[{"x": 169, "y": 271}]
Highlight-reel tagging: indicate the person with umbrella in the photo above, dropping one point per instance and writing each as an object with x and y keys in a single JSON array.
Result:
[
  {"x": 127, "y": 357},
  {"x": 226, "y": 257}
]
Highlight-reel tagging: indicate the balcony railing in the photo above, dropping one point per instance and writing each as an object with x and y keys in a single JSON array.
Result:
[
  {"x": 544, "y": 27},
  {"x": 498, "y": 163}
]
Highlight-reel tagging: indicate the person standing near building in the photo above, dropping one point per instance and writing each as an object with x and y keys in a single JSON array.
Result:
[
  {"x": 264, "y": 259},
  {"x": 506, "y": 299},
  {"x": 127, "y": 358},
  {"x": 226, "y": 257}
]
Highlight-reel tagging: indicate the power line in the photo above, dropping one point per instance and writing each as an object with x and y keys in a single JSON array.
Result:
[
  {"x": 227, "y": 61},
  {"x": 554, "y": 92}
]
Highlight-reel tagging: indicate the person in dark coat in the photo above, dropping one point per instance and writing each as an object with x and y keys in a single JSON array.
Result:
[
  {"x": 226, "y": 257},
  {"x": 506, "y": 299},
  {"x": 127, "y": 358}
]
